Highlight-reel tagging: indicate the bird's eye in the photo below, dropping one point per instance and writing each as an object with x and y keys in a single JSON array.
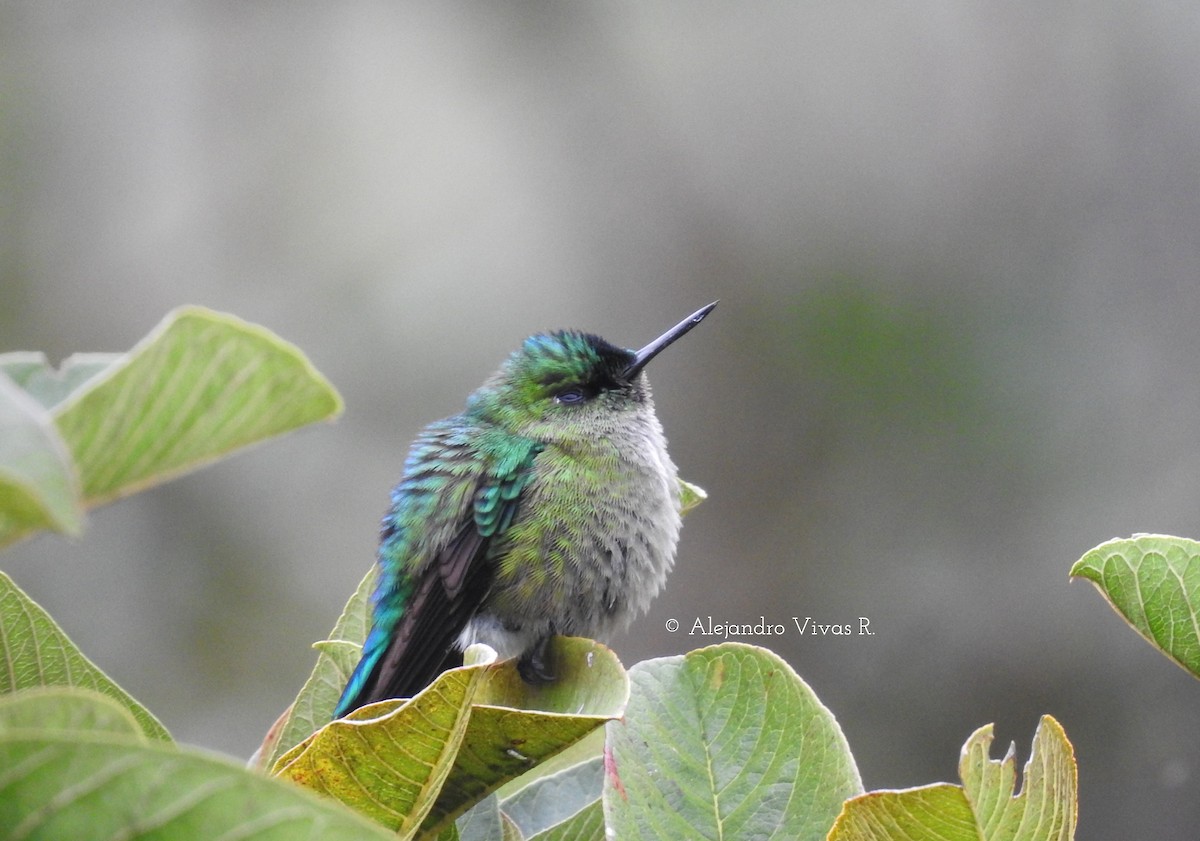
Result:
[{"x": 570, "y": 396}]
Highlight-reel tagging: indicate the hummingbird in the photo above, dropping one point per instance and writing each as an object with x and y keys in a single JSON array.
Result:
[{"x": 548, "y": 506}]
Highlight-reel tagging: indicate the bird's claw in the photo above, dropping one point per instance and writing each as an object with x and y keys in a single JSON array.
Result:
[{"x": 534, "y": 666}]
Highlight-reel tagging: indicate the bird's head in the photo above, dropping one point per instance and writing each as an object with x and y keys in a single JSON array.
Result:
[{"x": 569, "y": 384}]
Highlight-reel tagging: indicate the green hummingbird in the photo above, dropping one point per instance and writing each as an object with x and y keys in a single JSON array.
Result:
[{"x": 548, "y": 506}]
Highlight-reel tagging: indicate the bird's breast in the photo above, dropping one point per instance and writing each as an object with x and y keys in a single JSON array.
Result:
[{"x": 594, "y": 537}]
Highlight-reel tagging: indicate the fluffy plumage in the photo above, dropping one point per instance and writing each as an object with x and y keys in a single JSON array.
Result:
[{"x": 548, "y": 506}]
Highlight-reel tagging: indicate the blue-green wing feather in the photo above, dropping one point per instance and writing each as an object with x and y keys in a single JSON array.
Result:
[{"x": 460, "y": 491}]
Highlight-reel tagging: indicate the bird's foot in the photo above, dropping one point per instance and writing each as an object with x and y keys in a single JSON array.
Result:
[{"x": 534, "y": 665}]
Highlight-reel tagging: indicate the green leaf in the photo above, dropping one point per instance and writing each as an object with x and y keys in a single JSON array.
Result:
[
  {"x": 1153, "y": 581},
  {"x": 34, "y": 652},
  {"x": 589, "y": 681},
  {"x": 514, "y": 727},
  {"x": 389, "y": 760},
  {"x": 313, "y": 707},
  {"x": 201, "y": 385},
  {"x": 985, "y": 808},
  {"x": 725, "y": 742},
  {"x": 34, "y": 373},
  {"x": 38, "y": 485},
  {"x": 690, "y": 496},
  {"x": 509, "y": 831},
  {"x": 589, "y": 748},
  {"x": 423, "y": 763},
  {"x": 66, "y": 709},
  {"x": 92, "y": 786},
  {"x": 585, "y": 825},
  {"x": 554, "y": 798},
  {"x": 483, "y": 822}
]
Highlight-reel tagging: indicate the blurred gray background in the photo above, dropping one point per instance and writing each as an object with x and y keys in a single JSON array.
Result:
[{"x": 957, "y": 247}]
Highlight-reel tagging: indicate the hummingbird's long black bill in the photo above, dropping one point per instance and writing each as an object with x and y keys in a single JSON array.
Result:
[{"x": 657, "y": 346}]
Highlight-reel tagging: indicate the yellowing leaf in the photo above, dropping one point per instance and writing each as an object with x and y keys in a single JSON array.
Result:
[
  {"x": 985, "y": 807},
  {"x": 388, "y": 760}
]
